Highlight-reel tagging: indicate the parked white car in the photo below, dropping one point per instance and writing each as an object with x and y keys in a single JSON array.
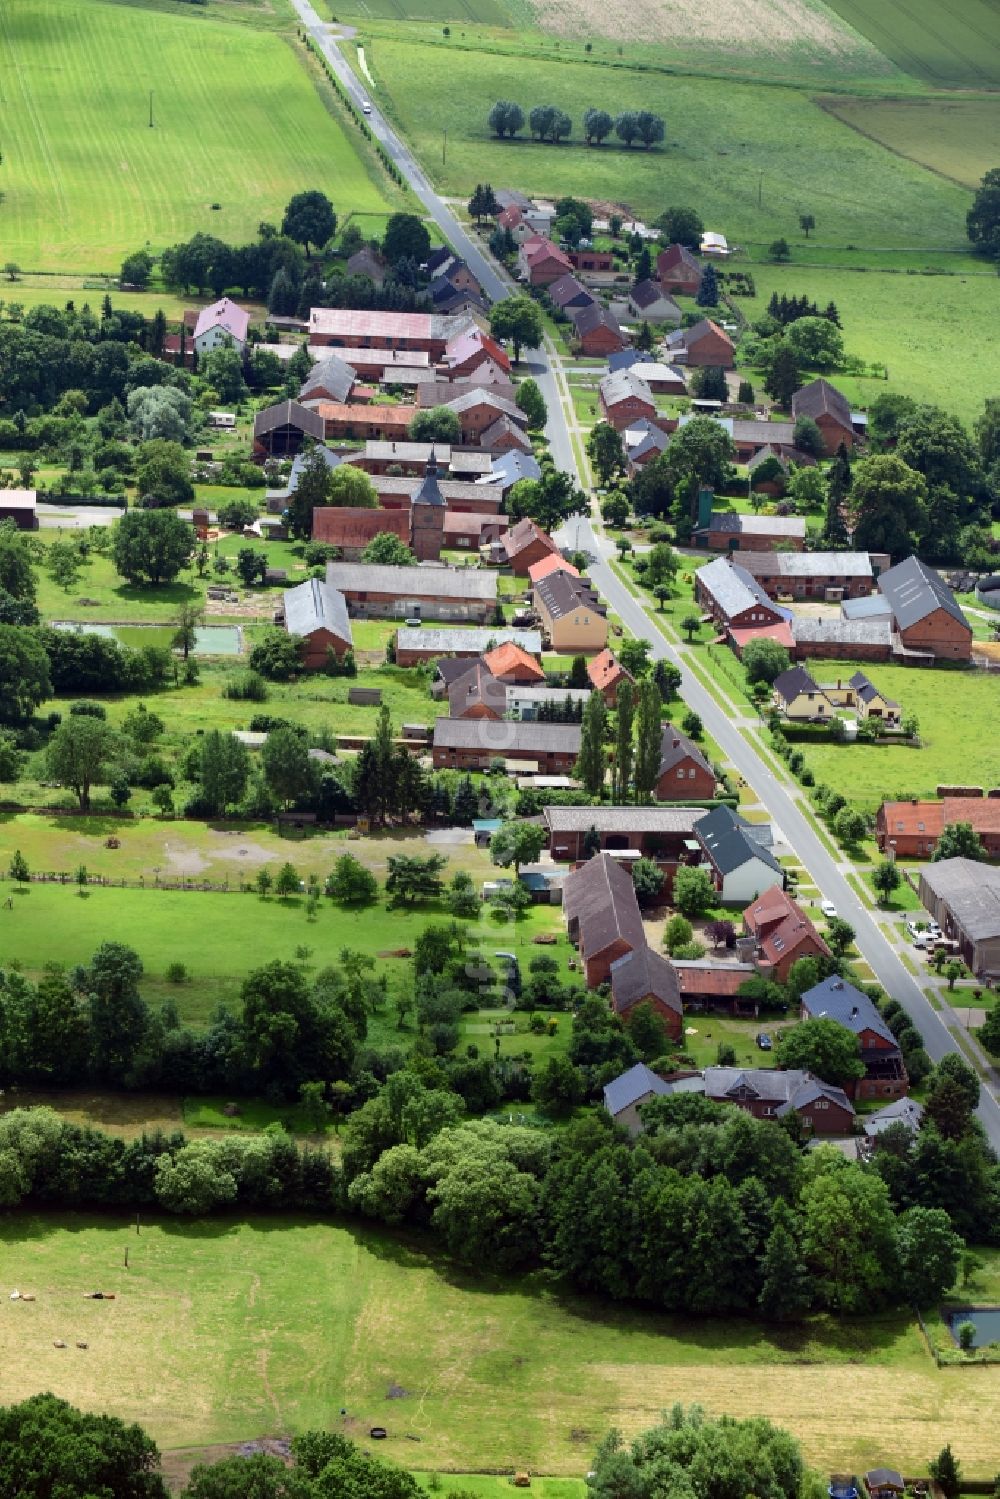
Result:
[{"x": 828, "y": 908}]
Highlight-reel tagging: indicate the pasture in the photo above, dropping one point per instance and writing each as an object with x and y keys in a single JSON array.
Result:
[
  {"x": 946, "y": 43},
  {"x": 85, "y": 178},
  {"x": 727, "y": 146},
  {"x": 956, "y": 137},
  {"x": 225, "y": 1329},
  {"x": 920, "y": 327}
]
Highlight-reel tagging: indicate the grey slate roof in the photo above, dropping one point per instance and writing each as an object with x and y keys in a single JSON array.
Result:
[
  {"x": 846, "y": 632},
  {"x": 561, "y": 594},
  {"x": 810, "y": 564},
  {"x": 314, "y": 605},
  {"x": 789, "y": 1088},
  {"x": 733, "y": 588},
  {"x": 331, "y": 375},
  {"x": 289, "y": 414},
  {"x": 413, "y": 582},
  {"x": 836, "y": 999},
  {"x": 865, "y": 688},
  {"x": 506, "y": 426},
  {"x": 729, "y": 845},
  {"x": 593, "y": 315},
  {"x": 745, "y": 430},
  {"x": 659, "y": 819},
  {"x": 482, "y": 395},
  {"x": 872, "y": 606},
  {"x": 915, "y": 590},
  {"x": 429, "y": 492},
  {"x": 601, "y": 897},
  {"x": 971, "y": 892},
  {"x": 569, "y": 292},
  {"x": 474, "y": 639},
  {"x": 820, "y": 398},
  {"x": 788, "y": 684},
  {"x": 513, "y": 466},
  {"x": 901, "y": 1111},
  {"x": 619, "y": 385},
  {"x": 643, "y": 973},
  {"x": 674, "y": 747},
  {"x": 519, "y": 738},
  {"x": 627, "y": 1089}
]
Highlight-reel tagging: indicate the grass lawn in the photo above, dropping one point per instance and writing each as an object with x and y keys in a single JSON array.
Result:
[
  {"x": 726, "y": 143},
  {"x": 232, "y": 105},
  {"x": 957, "y": 137},
  {"x": 231, "y": 934},
  {"x": 223, "y": 1330},
  {"x": 918, "y": 326}
]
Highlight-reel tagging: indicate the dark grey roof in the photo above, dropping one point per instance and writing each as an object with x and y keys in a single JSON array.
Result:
[
  {"x": 646, "y": 293},
  {"x": 865, "y": 688},
  {"x": 904, "y": 1111},
  {"x": 820, "y": 398},
  {"x": 567, "y": 291},
  {"x": 476, "y": 685},
  {"x": 429, "y": 492},
  {"x": 788, "y": 684},
  {"x": 846, "y": 632},
  {"x": 732, "y": 587},
  {"x": 601, "y": 897},
  {"x": 836, "y": 999},
  {"x": 331, "y": 375},
  {"x": 507, "y": 738},
  {"x": 725, "y": 839},
  {"x": 971, "y": 891},
  {"x": 314, "y": 605},
  {"x": 513, "y": 465},
  {"x": 481, "y": 395},
  {"x": 915, "y": 590},
  {"x": 413, "y": 582},
  {"x": 871, "y": 606},
  {"x": 593, "y": 315},
  {"x": 674, "y": 747},
  {"x": 631, "y": 1086},
  {"x": 762, "y": 431},
  {"x": 789, "y": 1088},
  {"x": 562, "y": 594},
  {"x": 289, "y": 414},
  {"x": 624, "y": 359},
  {"x": 643, "y": 973},
  {"x": 504, "y": 426}
]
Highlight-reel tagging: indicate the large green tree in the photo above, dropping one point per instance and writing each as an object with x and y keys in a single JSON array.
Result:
[
  {"x": 312, "y": 491},
  {"x": 592, "y": 762},
  {"x": 79, "y": 754},
  {"x": 889, "y": 500},
  {"x": 959, "y": 840},
  {"x": 436, "y": 424},
  {"x": 848, "y": 1234},
  {"x": 982, "y": 221},
  {"x": 310, "y": 219},
  {"x": 151, "y": 546},
  {"x": 519, "y": 319},
  {"x": 24, "y": 673},
  {"x": 823, "y": 1047},
  {"x": 51, "y": 1450},
  {"x": 406, "y": 238}
]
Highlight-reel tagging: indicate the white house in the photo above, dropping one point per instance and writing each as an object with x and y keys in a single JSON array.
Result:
[
  {"x": 738, "y": 855},
  {"x": 222, "y": 325}
]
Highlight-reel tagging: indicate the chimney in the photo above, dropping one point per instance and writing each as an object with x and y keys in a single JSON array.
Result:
[{"x": 854, "y": 1012}]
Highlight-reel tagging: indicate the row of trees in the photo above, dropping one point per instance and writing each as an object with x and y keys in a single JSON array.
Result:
[{"x": 547, "y": 122}]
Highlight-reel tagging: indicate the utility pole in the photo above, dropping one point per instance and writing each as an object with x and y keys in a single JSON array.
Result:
[
  {"x": 444, "y": 148},
  {"x": 151, "y": 109}
]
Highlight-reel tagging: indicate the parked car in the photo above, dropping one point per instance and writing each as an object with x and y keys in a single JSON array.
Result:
[
  {"x": 828, "y": 908},
  {"x": 914, "y": 930},
  {"x": 413, "y": 622},
  {"x": 764, "y": 1041},
  {"x": 366, "y": 106},
  {"x": 934, "y": 931}
]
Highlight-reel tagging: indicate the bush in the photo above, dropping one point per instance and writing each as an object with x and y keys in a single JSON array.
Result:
[
  {"x": 247, "y": 687},
  {"x": 87, "y": 709},
  {"x": 176, "y": 973}
]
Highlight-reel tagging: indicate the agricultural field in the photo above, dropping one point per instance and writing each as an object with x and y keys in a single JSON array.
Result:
[
  {"x": 920, "y": 327},
  {"x": 951, "y": 44},
  {"x": 726, "y": 146},
  {"x": 224, "y": 1329},
  {"x": 85, "y": 178},
  {"x": 956, "y": 137}
]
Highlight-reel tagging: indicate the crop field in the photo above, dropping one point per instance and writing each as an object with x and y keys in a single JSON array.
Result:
[
  {"x": 947, "y": 43},
  {"x": 223, "y": 1330},
  {"x": 726, "y": 146},
  {"x": 238, "y": 124},
  {"x": 958, "y": 137},
  {"x": 920, "y": 327}
]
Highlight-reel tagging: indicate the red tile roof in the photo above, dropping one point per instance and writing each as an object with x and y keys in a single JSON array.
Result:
[
  {"x": 605, "y": 670},
  {"x": 553, "y": 563},
  {"x": 780, "y": 926},
  {"x": 398, "y": 417},
  {"x": 781, "y": 632},
  {"x": 717, "y": 979},
  {"x": 507, "y": 658},
  {"x": 931, "y": 818}
]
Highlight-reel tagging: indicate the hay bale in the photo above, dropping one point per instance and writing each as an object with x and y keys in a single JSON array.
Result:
[
  {"x": 58, "y": 1343},
  {"x": 80, "y": 1343}
]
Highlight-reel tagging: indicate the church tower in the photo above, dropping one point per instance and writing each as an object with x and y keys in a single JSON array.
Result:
[{"x": 427, "y": 511}]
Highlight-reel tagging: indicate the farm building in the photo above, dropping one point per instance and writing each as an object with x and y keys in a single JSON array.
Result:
[
  {"x": 348, "y": 328},
  {"x": 596, "y": 331},
  {"x": 911, "y": 829},
  {"x": 471, "y": 349},
  {"x": 927, "y": 617},
  {"x": 357, "y": 422},
  {"x": 663, "y": 833},
  {"x": 420, "y": 646},
  {"x": 478, "y": 408},
  {"x": 677, "y": 270},
  {"x": 281, "y": 430},
  {"x": 645, "y": 977},
  {"x": 703, "y": 344},
  {"x": 602, "y": 915},
  {"x": 624, "y": 1096},
  {"x": 367, "y": 262},
  {"x": 317, "y": 613},
  {"x": 464, "y": 744},
  {"x": 442, "y": 593},
  {"x": 830, "y": 410},
  {"x": 625, "y": 398},
  {"x": 963, "y": 896},
  {"x": 540, "y": 262},
  {"x": 813, "y": 575},
  {"x": 332, "y": 379},
  {"x": 733, "y": 597}
]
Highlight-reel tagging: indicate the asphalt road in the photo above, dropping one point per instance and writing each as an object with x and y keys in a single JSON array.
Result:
[{"x": 877, "y": 951}]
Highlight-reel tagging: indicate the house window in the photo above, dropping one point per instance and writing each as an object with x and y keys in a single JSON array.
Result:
[
  {"x": 680, "y": 775},
  {"x": 822, "y": 1103},
  {"x": 690, "y": 775}
]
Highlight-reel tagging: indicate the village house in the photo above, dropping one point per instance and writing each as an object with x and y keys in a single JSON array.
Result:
[
  {"x": 476, "y": 693},
  {"x": 596, "y": 331},
  {"x": 662, "y": 379},
  {"x": 418, "y": 645},
  {"x": 352, "y": 328},
  {"x": 733, "y": 597},
  {"x": 648, "y": 302},
  {"x": 625, "y": 398},
  {"x": 624, "y": 1096},
  {"x": 571, "y": 615},
  {"x": 540, "y": 262},
  {"x": 606, "y": 675},
  {"x": 505, "y": 435},
  {"x": 662, "y": 833},
  {"x": 644, "y": 441},
  {"x": 910, "y": 830},
  {"x": 317, "y": 613},
  {"x": 469, "y": 351},
  {"x": 602, "y": 915},
  {"x": 471, "y": 532},
  {"x": 702, "y": 345},
  {"x": 678, "y": 271},
  {"x": 645, "y": 977},
  {"x": 530, "y": 703},
  {"x": 358, "y": 423},
  {"x": 773, "y": 1093},
  {"x": 545, "y": 748},
  {"x": 478, "y": 408},
  {"x": 367, "y": 262},
  {"x": 524, "y": 545},
  {"x": 442, "y": 593},
  {"x": 487, "y": 376},
  {"x": 741, "y": 863},
  {"x": 223, "y": 325},
  {"x": 799, "y": 698},
  {"x": 869, "y": 702},
  {"x": 728, "y": 531},
  {"x": 282, "y": 430},
  {"x": 836, "y": 999},
  {"x": 926, "y": 615},
  {"x": 568, "y": 293},
  {"x": 812, "y": 575},
  {"x": 684, "y": 773},
  {"x": 595, "y": 262},
  {"x": 963, "y": 896},
  {"x": 830, "y": 411},
  {"x": 782, "y": 934},
  {"x": 512, "y": 664},
  {"x": 331, "y": 379},
  {"x": 553, "y": 563}
]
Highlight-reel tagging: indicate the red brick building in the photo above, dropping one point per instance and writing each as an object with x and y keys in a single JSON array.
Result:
[
  {"x": 773, "y": 1093},
  {"x": 835, "y": 999},
  {"x": 524, "y": 545},
  {"x": 925, "y": 612},
  {"x": 677, "y": 270},
  {"x": 359, "y": 422},
  {"x": 684, "y": 774},
  {"x": 733, "y": 597},
  {"x": 911, "y": 829},
  {"x": 830, "y": 410},
  {"x": 645, "y": 977},
  {"x": 703, "y": 344},
  {"x": 317, "y": 614},
  {"x": 625, "y": 399},
  {"x": 463, "y": 745},
  {"x": 351, "y": 328},
  {"x": 606, "y": 675},
  {"x": 602, "y": 916},
  {"x": 597, "y": 331},
  {"x": 783, "y": 933},
  {"x": 540, "y": 262}
]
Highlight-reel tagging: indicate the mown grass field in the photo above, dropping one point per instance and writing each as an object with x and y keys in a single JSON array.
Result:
[
  {"x": 958, "y": 137},
  {"x": 239, "y": 122},
  {"x": 920, "y": 327},
  {"x": 224, "y": 1330},
  {"x": 947, "y": 43},
  {"x": 725, "y": 145}
]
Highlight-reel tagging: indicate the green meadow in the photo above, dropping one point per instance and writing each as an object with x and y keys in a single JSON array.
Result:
[
  {"x": 750, "y": 157},
  {"x": 958, "y": 137},
  {"x": 946, "y": 43},
  {"x": 225, "y": 1329},
  {"x": 239, "y": 126}
]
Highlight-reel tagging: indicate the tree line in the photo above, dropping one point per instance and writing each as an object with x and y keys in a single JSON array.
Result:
[{"x": 547, "y": 122}]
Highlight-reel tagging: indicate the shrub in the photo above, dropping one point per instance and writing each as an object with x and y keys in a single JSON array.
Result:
[
  {"x": 176, "y": 973},
  {"x": 248, "y": 687},
  {"x": 87, "y": 709}
]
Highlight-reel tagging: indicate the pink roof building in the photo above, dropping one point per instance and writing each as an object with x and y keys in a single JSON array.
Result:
[{"x": 221, "y": 323}]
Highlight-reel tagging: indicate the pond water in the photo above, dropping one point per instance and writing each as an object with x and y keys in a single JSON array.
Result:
[
  {"x": 210, "y": 640},
  {"x": 985, "y": 1319}
]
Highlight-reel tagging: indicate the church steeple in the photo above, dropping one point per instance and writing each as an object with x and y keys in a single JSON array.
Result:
[{"x": 429, "y": 492}]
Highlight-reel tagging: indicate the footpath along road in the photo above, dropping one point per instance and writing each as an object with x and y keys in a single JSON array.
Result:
[{"x": 776, "y": 796}]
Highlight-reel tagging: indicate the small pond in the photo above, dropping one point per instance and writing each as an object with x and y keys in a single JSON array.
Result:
[
  {"x": 210, "y": 640},
  {"x": 985, "y": 1319}
]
